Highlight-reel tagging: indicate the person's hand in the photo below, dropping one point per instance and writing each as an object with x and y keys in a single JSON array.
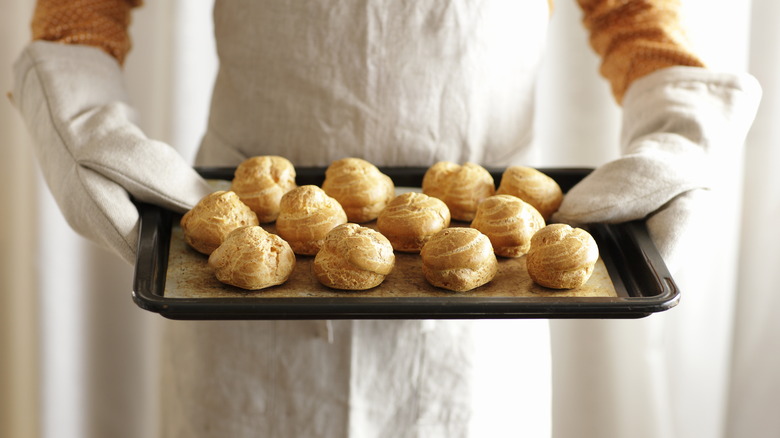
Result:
[
  {"x": 676, "y": 121},
  {"x": 91, "y": 154}
]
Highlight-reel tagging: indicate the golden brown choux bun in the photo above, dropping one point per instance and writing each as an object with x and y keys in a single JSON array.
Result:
[
  {"x": 252, "y": 258},
  {"x": 261, "y": 181},
  {"x": 207, "y": 224},
  {"x": 353, "y": 258},
  {"x": 359, "y": 187},
  {"x": 306, "y": 215},
  {"x": 561, "y": 257},
  {"x": 410, "y": 219},
  {"x": 458, "y": 259},
  {"x": 533, "y": 187},
  {"x": 460, "y": 187},
  {"x": 509, "y": 222}
]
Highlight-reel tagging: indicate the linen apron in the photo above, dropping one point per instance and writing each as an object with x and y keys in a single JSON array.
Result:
[{"x": 396, "y": 83}]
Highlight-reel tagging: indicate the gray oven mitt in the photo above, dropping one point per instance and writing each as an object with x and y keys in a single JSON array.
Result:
[
  {"x": 679, "y": 126},
  {"x": 74, "y": 103}
]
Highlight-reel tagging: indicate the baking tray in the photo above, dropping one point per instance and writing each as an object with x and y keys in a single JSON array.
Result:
[{"x": 638, "y": 282}]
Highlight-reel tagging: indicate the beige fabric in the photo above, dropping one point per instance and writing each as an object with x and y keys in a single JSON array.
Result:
[
  {"x": 370, "y": 379},
  {"x": 284, "y": 379},
  {"x": 401, "y": 84},
  {"x": 93, "y": 157},
  {"x": 390, "y": 82},
  {"x": 633, "y": 38},
  {"x": 677, "y": 122}
]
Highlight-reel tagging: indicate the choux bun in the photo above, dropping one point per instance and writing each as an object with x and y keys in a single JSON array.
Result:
[
  {"x": 361, "y": 189},
  {"x": 533, "y": 187},
  {"x": 411, "y": 218},
  {"x": 509, "y": 223},
  {"x": 251, "y": 258},
  {"x": 207, "y": 224},
  {"x": 561, "y": 257},
  {"x": 306, "y": 215},
  {"x": 261, "y": 181},
  {"x": 460, "y": 187},
  {"x": 458, "y": 259},
  {"x": 353, "y": 258}
]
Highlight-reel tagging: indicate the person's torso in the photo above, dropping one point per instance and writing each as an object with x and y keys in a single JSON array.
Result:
[{"x": 394, "y": 82}]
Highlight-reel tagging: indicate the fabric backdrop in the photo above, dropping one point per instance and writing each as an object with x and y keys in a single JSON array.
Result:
[{"x": 78, "y": 357}]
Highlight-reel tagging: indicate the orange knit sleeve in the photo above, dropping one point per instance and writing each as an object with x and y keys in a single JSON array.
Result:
[
  {"x": 99, "y": 23},
  {"x": 635, "y": 38}
]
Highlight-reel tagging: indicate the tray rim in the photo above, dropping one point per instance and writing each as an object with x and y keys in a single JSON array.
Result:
[{"x": 658, "y": 291}]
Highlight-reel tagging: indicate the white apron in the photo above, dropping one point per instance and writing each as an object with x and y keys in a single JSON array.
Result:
[
  {"x": 393, "y": 82},
  {"x": 397, "y": 83}
]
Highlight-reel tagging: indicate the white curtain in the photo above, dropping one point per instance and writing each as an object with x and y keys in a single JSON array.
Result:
[
  {"x": 18, "y": 284},
  {"x": 667, "y": 375},
  {"x": 78, "y": 357},
  {"x": 755, "y": 360}
]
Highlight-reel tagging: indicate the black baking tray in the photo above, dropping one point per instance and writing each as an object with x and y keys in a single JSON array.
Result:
[{"x": 641, "y": 279}]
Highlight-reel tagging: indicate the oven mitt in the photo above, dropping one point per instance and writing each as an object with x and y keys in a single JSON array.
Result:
[
  {"x": 93, "y": 157},
  {"x": 677, "y": 122}
]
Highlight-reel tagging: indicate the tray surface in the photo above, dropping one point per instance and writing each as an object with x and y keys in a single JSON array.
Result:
[{"x": 629, "y": 280}]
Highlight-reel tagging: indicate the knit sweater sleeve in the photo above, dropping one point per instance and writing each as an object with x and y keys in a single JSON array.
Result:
[
  {"x": 99, "y": 23},
  {"x": 635, "y": 38}
]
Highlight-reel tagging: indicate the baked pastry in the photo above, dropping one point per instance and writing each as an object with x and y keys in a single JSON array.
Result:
[
  {"x": 359, "y": 187},
  {"x": 509, "y": 222},
  {"x": 458, "y": 259},
  {"x": 533, "y": 187},
  {"x": 261, "y": 181},
  {"x": 252, "y": 258},
  {"x": 460, "y": 187},
  {"x": 207, "y": 224},
  {"x": 353, "y": 258},
  {"x": 561, "y": 257},
  {"x": 411, "y": 218},
  {"x": 306, "y": 215}
]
